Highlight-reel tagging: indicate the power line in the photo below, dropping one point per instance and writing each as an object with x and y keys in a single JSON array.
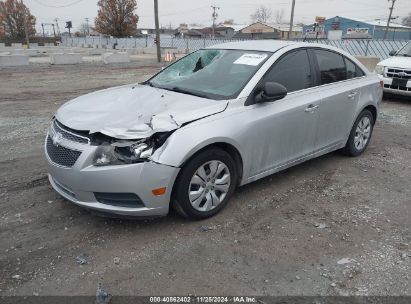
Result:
[
  {"x": 58, "y": 6},
  {"x": 175, "y": 13}
]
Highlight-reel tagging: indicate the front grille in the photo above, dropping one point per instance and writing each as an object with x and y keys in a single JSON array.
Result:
[
  {"x": 61, "y": 155},
  {"x": 397, "y": 88},
  {"x": 128, "y": 200},
  {"x": 399, "y": 73},
  {"x": 71, "y": 135}
]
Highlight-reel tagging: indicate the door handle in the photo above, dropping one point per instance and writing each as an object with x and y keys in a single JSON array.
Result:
[
  {"x": 352, "y": 95},
  {"x": 311, "y": 108}
]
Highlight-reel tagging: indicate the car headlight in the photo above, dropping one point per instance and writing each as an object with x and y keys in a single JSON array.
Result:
[
  {"x": 122, "y": 154},
  {"x": 379, "y": 69},
  {"x": 127, "y": 152}
]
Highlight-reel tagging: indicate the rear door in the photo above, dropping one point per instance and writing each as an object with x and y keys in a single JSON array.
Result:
[{"x": 339, "y": 96}]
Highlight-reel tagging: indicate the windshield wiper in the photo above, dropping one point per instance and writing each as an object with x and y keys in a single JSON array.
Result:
[
  {"x": 149, "y": 83},
  {"x": 185, "y": 91},
  {"x": 405, "y": 55}
]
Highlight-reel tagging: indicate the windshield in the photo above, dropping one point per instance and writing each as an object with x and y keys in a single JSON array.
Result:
[
  {"x": 213, "y": 74},
  {"x": 405, "y": 51}
]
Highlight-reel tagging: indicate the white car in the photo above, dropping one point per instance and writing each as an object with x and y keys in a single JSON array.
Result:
[{"x": 396, "y": 71}]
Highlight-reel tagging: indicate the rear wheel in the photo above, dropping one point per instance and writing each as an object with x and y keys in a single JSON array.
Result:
[
  {"x": 205, "y": 184},
  {"x": 360, "y": 135}
]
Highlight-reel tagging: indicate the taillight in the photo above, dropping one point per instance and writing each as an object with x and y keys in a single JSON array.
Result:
[{"x": 382, "y": 83}]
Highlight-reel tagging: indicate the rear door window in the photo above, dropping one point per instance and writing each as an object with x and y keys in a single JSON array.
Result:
[
  {"x": 353, "y": 71},
  {"x": 331, "y": 65}
]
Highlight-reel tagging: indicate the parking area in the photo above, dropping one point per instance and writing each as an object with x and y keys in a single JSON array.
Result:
[{"x": 331, "y": 226}]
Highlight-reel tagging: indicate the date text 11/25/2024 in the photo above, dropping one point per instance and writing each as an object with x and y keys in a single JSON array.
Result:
[{"x": 238, "y": 299}]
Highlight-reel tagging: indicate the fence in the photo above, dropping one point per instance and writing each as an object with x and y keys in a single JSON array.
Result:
[
  {"x": 360, "y": 47},
  {"x": 364, "y": 47},
  {"x": 147, "y": 42}
]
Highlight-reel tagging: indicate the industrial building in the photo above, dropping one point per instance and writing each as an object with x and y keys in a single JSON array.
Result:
[{"x": 345, "y": 28}]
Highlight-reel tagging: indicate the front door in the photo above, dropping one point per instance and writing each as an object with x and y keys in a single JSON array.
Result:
[{"x": 284, "y": 131}]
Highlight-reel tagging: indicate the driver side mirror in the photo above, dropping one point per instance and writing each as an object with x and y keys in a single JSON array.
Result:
[
  {"x": 271, "y": 91},
  {"x": 392, "y": 53}
]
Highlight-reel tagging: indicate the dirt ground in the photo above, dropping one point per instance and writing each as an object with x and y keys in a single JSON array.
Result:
[{"x": 331, "y": 226}]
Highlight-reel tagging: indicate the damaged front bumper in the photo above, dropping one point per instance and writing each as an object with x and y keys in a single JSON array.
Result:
[{"x": 119, "y": 189}]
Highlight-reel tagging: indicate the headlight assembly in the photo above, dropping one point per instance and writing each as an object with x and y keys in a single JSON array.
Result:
[
  {"x": 122, "y": 155},
  {"x": 379, "y": 69},
  {"x": 125, "y": 152}
]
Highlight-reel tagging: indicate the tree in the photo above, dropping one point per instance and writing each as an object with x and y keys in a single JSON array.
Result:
[
  {"x": 229, "y": 22},
  {"x": 12, "y": 19},
  {"x": 407, "y": 20},
  {"x": 262, "y": 14},
  {"x": 279, "y": 16},
  {"x": 116, "y": 18},
  {"x": 2, "y": 32},
  {"x": 84, "y": 29}
]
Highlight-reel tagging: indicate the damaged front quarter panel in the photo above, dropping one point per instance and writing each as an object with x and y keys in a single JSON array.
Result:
[{"x": 113, "y": 151}]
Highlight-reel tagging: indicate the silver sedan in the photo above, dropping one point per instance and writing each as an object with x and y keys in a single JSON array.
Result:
[{"x": 216, "y": 119}]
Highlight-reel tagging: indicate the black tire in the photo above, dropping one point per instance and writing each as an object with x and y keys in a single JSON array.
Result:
[
  {"x": 350, "y": 149},
  {"x": 181, "y": 202}
]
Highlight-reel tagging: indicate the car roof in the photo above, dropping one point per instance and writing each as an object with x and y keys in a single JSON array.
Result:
[
  {"x": 275, "y": 45},
  {"x": 254, "y": 45},
  {"x": 266, "y": 45}
]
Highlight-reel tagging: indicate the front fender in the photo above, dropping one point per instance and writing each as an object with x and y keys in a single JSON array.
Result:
[{"x": 187, "y": 141}]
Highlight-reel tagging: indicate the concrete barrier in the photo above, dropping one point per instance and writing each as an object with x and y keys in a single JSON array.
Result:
[
  {"x": 95, "y": 52},
  {"x": 34, "y": 45},
  {"x": 2, "y": 45},
  {"x": 29, "y": 52},
  {"x": 13, "y": 60},
  {"x": 369, "y": 61},
  {"x": 17, "y": 45},
  {"x": 132, "y": 51},
  {"x": 61, "y": 58},
  {"x": 116, "y": 58}
]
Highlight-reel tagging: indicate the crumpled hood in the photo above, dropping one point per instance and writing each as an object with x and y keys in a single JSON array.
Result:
[
  {"x": 135, "y": 111},
  {"x": 397, "y": 62}
]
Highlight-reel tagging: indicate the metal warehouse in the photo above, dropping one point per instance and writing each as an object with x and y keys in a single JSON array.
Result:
[{"x": 341, "y": 27}]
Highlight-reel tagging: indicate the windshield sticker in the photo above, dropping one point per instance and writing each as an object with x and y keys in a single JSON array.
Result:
[{"x": 251, "y": 59}]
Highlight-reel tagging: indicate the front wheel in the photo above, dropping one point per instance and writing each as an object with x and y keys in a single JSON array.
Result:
[
  {"x": 205, "y": 184},
  {"x": 360, "y": 135}
]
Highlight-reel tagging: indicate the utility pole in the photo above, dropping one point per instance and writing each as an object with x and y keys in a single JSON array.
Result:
[
  {"x": 157, "y": 21},
  {"x": 54, "y": 30},
  {"x": 88, "y": 26},
  {"x": 58, "y": 28},
  {"x": 389, "y": 18},
  {"x": 215, "y": 15},
  {"x": 290, "y": 34},
  {"x": 26, "y": 31}
]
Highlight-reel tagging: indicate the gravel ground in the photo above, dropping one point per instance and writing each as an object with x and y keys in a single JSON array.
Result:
[{"x": 331, "y": 226}]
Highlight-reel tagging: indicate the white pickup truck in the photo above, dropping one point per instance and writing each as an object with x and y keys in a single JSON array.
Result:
[{"x": 396, "y": 71}]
